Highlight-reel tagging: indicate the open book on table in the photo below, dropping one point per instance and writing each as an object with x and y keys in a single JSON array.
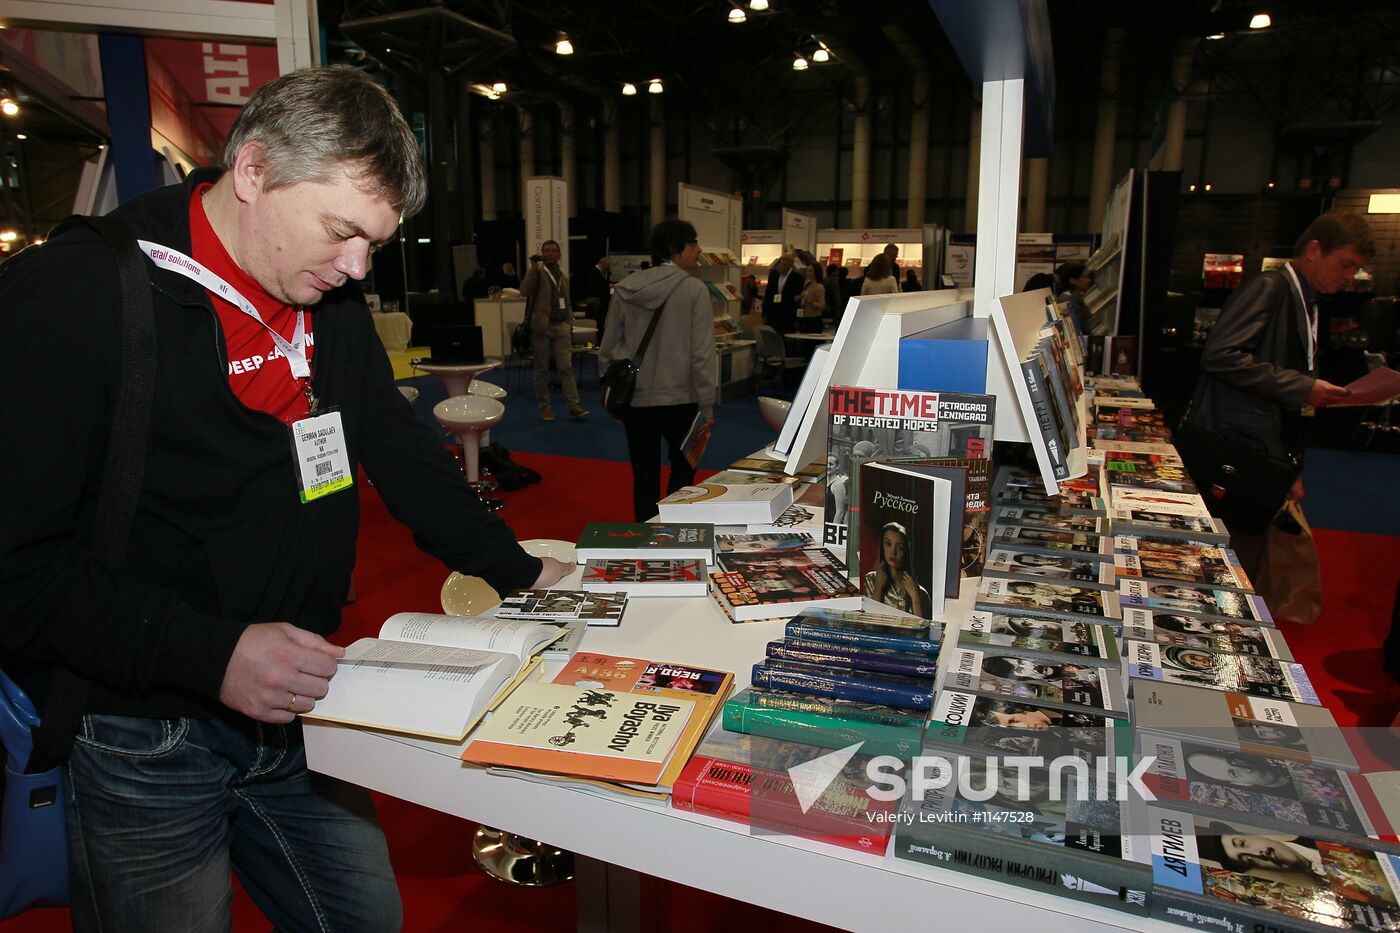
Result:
[{"x": 432, "y": 675}]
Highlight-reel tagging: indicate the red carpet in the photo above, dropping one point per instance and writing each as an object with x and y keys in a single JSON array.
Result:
[{"x": 442, "y": 889}]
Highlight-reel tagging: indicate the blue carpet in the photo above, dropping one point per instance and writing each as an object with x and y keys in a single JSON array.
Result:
[{"x": 1352, "y": 490}]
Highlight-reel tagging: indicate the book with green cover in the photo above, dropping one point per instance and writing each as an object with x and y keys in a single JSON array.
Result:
[
  {"x": 644, "y": 541},
  {"x": 828, "y": 730}
]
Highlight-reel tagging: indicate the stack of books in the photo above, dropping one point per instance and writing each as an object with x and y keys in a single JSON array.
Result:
[{"x": 778, "y": 575}]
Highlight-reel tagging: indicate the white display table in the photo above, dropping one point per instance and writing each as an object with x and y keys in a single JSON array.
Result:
[
  {"x": 497, "y": 318},
  {"x": 616, "y": 838}
]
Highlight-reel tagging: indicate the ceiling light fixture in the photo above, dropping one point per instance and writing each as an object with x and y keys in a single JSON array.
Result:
[
  {"x": 9, "y": 236},
  {"x": 1260, "y": 21},
  {"x": 799, "y": 63},
  {"x": 1218, "y": 35},
  {"x": 654, "y": 86},
  {"x": 1207, "y": 186},
  {"x": 1191, "y": 188},
  {"x": 21, "y": 136},
  {"x": 629, "y": 89},
  {"x": 499, "y": 87},
  {"x": 822, "y": 55},
  {"x": 758, "y": 6},
  {"x": 563, "y": 46},
  {"x": 9, "y": 107},
  {"x": 737, "y": 15}
]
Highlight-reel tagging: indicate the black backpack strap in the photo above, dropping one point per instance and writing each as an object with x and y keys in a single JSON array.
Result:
[
  {"x": 651, "y": 329},
  {"x": 123, "y": 470}
]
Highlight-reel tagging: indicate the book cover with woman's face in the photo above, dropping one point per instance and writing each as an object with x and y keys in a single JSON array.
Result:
[{"x": 896, "y": 540}]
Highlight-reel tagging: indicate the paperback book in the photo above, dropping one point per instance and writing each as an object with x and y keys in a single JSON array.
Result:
[
  {"x": 1050, "y": 541},
  {"x": 762, "y": 543},
  {"x": 1054, "y": 431},
  {"x": 1230, "y": 874},
  {"x": 1067, "y": 503},
  {"x": 872, "y": 424},
  {"x": 432, "y": 675},
  {"x": 605, "y": 734},
  {"x": 1048, "y": 518},
  {"x": 910, "y": 540},
  {"x": 1075, "y": 687},
  {"x": 771, "y": 584},
  {"x": 1230, "y": 673},
  {"x": 1047, "y": 600},
  {"x": 968, "y": 721},
  {"x": 1069, "y": 642},
  {"x": 799, "y": 516},
  {"x": 1063, "y": 568},
  {"x": 1185, "y": 599},
  {"x": 643, "y": 541},
  {"x": 1238, "y": 722},
  {"x": 758, "y": 464},
  {"x": 1161, "y": 562},
  {"x": 1213, "y": 635},
  {"x": 604, "y": 609},
  {"x": 646, "y": 577},
  {"x": 719, "y": 504}
]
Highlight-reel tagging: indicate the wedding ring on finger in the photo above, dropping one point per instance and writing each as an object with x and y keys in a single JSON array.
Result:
[{"x": 293, "y": 703}]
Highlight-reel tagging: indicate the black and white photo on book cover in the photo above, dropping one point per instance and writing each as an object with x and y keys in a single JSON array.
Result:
[{"x": 869, "y": 424}]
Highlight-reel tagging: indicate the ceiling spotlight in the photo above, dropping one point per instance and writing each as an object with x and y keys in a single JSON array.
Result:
[
  {"x": 1260, "y": 21},
  {"x": 21, "y": 136},
  {"x": 737, "y": 15},
  {"x": 799, "y": 63},
  {"x": 758, "y": 6},
  {"x": 1207, "y": 186},
  {"x": 654, "y": 86},
  {"x": 8, "y": 236},
  {"x": 563, "y": 46},
  {"x": 499, "y": 87},
  {"x": 9, "y": 106},
  {"x": 1271, "y": 184},
  {"x": 1191, "y": 188},
  {"x": 629, "y": 89},
  {"x": 1218, "y": 35},
  {"x": 821, "y": 56}
]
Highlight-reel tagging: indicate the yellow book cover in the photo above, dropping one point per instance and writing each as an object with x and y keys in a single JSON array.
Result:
[{"x": 585, "y": 731}]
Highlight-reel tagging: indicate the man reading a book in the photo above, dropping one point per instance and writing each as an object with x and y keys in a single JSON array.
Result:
[{"x": 183, "y": 667}]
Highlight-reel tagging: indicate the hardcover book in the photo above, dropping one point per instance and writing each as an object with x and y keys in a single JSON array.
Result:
[
  {"x": 604, "y": 609},
  {"x": 1230, "y": 673},
  {"x": 1050, "y": 541},
  {"x": 856, "y": 710},
  {"x": 867, "y": 630},
  {"x": 761, "y": 543},
  {"x": 781, "y": 583},
  {"x": 799, "y": 517},
  {"x": 432, "y": 675},
  {"x": 759, "y": 464},
  {"x": 1064, "y": 568},
  {"x": 1053, "y": 431},
  {"x": 1075, "y": 687},
  {"x": 876, "y": 660},
  {"x": 726, "y": 505},
  {"x": 844, "y": 683},
  {"x": 646, "y": 577},
  {"x": 1277, "y": 794},
  {"x": 1209, "y": 634},
  {"x": 977, "y": 477},
  {"x": 1040, "y": 836},
  {"x": 1162, "y": 562},
  {"x": 962, "y": 721},
  {"x": 871, "y": 424},
  {"x": 1185, "y": 599},
  {"x": 589, "y": 732},
  {"x": 1031, "y": 517},
  {"x": 1068, "y": 503},
  {"x": 1234, "y": 721},
  {"x": 1072, "y": 642},
  {"x": 910, "y": 540},
  {"x": 1047, "y": 600},
  {"x": 746, "y": 780},
  {"x": 642, "y": 541},
  {"x": 824, "y": 729},
  {"x": 1229, "y": 874}
]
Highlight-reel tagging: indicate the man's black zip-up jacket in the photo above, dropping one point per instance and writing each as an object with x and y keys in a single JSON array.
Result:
[{"x": 220, "y": 539}]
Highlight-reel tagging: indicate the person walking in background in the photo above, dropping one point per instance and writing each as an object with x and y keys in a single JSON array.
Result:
[
  {"x": 911, "y": 282},
  {"x": 508, "y": 278},
  {"x": 676, "y": 374},
  {"x": 1259, "y": 365},
  {"x": 813, "y": 302},
  {"x": 599, "y": 292},
  {"x": 546, "y": 291},
  {"x": 781, "y": 297},
  {"x": 832, "y": 283},
  {"x": 879, "y": 280}
]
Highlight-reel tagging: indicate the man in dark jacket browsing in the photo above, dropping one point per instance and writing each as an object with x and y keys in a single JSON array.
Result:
[{"x": 203, "y": 648}]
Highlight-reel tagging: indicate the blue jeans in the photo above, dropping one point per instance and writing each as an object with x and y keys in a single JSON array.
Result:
[{"x": 159, "y": 811}]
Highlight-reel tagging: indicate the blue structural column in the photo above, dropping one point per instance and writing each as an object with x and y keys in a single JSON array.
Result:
[{"x": 128, "y": 113}]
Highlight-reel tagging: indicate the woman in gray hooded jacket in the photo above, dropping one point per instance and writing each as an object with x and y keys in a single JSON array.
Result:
[{"x": 677, "y": 372}]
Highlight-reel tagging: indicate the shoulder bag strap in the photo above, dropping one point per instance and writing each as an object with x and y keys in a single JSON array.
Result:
[
  {"x": 651, "y": 329},
  {"x": 122, "y": 472}
]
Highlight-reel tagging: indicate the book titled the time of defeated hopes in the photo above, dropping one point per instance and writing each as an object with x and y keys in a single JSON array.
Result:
[
  {"x": 589, "y": 732},
  {"x": 432, "y": 675}
]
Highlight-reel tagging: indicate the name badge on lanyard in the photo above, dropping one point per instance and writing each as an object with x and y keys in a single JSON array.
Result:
[
  {"x": 559, "y": 290},
  {"x": 318, "y": 441}
]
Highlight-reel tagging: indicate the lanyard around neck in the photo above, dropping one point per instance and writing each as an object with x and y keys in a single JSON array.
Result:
[
  {"x": 1309, "y": 309},
  {"x": 176, "y": 261}
]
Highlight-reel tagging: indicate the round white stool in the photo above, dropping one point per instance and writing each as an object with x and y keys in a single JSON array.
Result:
[
  {"x": 774, "y": 411},
  {"x": 467, "y": 417},
  {"x": 410, "y": 393},
  {"x": 483, "y": 389}
]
